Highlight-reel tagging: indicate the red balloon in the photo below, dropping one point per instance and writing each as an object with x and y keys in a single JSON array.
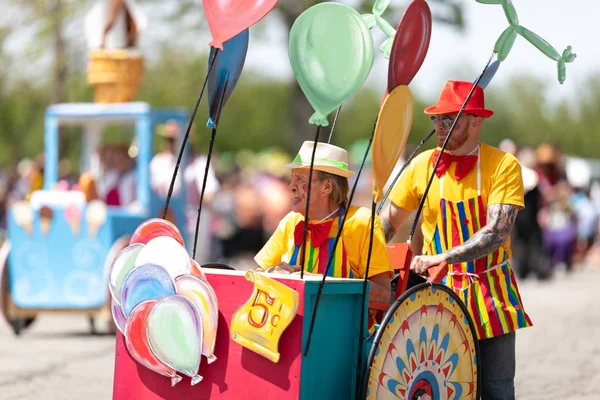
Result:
[
  {"x": 155, "y": 227},
  {"x": 227, "y": 18},
  {"x": 411, "y": 43},
  {"x": 136, "y": 340}
]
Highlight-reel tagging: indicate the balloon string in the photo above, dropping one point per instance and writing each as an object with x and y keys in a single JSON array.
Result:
[
  {"x": 187, "y": 134},
  {"x": 207, "y": 167},
  {"x": 306, "y": 219},
  {"x": 337, "y": 113},
  {"x": 410, "y": 158},
  {"x": 364, "y": 299},
  {"x": 460, "y": 112},
  {"x": 335, "y": 243}
]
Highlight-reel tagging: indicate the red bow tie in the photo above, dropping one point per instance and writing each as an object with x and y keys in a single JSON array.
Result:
[
  {"x": 464, "y": 164},
  {"x": 318, "y": 232}
]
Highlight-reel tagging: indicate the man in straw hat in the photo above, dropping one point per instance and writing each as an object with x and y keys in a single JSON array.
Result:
[
  {"x": 468, "y": 215},
  {"x": 328, "y": 203}
]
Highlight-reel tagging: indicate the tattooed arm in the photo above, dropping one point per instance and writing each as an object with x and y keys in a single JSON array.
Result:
[
  {"x": 488, "y": 239},
  {"x": 392, "y": 217}
]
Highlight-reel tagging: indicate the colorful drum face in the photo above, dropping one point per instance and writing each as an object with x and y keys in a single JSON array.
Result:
[{"x": 425, "y": 348}]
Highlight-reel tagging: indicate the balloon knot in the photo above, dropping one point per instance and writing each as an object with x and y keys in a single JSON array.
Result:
[
  {"x": 216, "y": 44},
  {"x": 175, "y": 380},
  {"x": 211, "y": 359},
  {"x": 196, "y": 379},
  {"x": 568, "y": 56},
  {"x": 210, "y": 124},
  {"x": 319, "y": 119}
]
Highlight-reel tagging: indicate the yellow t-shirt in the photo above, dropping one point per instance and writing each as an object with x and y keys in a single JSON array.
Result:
[
  {"x": 355, "y": 238},
  {"x": 501, "y": 183}
]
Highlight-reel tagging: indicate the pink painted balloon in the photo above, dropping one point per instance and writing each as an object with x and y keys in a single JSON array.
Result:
[
  {"x": 227, "y": 18},
  {"x": 136, "y": 340},
  {"x": 411, "y": 43},
  {"x": 153, "y": 228}
]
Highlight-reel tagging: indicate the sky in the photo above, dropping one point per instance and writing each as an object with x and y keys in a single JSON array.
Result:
[
  {"x": 462, "y": 55},
  {"x": 452, "y": 54}
]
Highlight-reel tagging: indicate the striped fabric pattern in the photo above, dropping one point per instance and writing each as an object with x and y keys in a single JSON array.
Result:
[
  {"x": 492, "y": 298},
  {"x": 316, "y": 262}
]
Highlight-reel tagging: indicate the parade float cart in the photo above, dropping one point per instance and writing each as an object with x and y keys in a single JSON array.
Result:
[
  {"x": 59, "y": 244},
  {"x": 328, "y": 372},
  {"x": 425, "y": 344}
]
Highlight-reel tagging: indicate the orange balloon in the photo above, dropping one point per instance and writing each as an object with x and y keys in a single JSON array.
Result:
[
  {"x": 196, "y": 270},
  {"x": 391, "y": 132}
]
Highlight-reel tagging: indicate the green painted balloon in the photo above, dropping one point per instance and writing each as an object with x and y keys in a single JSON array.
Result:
[
  {"x": 538, "y": 42},
  {"x": 175, "y": 334},
  {"x": 380, "y": 6},
  {"x": 331, "y": 52},
  {"x": 505, "y": 42},
  {"x": 510, "y": 12}
]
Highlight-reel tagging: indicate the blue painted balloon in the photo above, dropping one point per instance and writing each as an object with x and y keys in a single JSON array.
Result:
[
  {"x": 146, "y": 282},
  {"x": 225, "y": 72},
  {"x": 489, "y": 73}
]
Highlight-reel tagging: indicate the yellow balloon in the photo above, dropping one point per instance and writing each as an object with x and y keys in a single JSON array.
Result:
[{"x": 391, "y": 132}]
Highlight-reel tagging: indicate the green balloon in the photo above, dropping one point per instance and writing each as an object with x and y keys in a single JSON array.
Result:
[
  {"x": 385, "y": 27},
  {"x": 510, "y": 12},
  {"x": 505, "y": 42},
  {"x": 567, "y": 57},
  {"x": 386, "y": 47},
  {"x": 538, "y": 42},
  {"x": 369, "y": 20},
  {"x": 175, "y": 334},
  {"x": 331, "y": 52},
  {"x": 380, "y": 6}
]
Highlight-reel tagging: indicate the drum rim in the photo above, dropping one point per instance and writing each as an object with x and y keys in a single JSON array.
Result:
[{"x": 388, "y": 315}]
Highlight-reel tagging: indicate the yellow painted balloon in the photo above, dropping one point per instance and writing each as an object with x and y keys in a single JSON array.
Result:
[{"x": 391, "y": 132}]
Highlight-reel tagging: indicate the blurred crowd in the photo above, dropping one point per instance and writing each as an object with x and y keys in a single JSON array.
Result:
[
  {"x": 558, "y": 229},
  {"x": 246, "y": 196}
]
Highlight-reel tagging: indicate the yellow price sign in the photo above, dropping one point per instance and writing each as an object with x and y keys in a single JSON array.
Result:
[{"x": 259, "y": 323}]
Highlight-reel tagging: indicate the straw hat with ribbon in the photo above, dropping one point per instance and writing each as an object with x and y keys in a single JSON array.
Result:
[{"x": 328, "y": 158}]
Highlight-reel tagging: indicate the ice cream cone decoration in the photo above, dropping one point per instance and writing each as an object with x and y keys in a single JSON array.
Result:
[
  {"x": 23, "y": 215},
  {"x": 96, "y": 216},
  {"x": 73, "y": 217},
  {"x": 46, "y": 215}
]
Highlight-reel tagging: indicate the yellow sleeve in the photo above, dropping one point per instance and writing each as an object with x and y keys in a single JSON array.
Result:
[
  {"x": 273, "y": 251},
  {"x": 380, "y": 261},
  {"x": 507, "y": 183},
  {"x": 403, "y": 193}
]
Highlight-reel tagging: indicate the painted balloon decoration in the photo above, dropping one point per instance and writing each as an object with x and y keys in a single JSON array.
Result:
[
  {"x": 162, "y": 303},
  {"x": 227, "y": 18},
  {"x": 225, "y": 73},
  {"x": 410, "y": 44},
  {"x": 391, "y": 133},
  {"x": 136, "y": 340},
  {"x": 408, "y": 48},
  {"x": 506, "y": 40},
  {"x": 331, "y": 52}
]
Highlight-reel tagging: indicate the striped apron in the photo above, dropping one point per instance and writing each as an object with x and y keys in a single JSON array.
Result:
[{"x": 487, "y": 286}]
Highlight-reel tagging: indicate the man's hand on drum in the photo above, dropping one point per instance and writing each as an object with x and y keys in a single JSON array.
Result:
[
  {"x": 420, "y": 264},
  {"x": 283, "y": 268}
]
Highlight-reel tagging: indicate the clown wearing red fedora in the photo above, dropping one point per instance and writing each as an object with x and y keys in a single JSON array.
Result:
[{"x": 468, "y": 215}]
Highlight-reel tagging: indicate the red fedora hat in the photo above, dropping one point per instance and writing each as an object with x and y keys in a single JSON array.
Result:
[{"x": 453, "y": 96}]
